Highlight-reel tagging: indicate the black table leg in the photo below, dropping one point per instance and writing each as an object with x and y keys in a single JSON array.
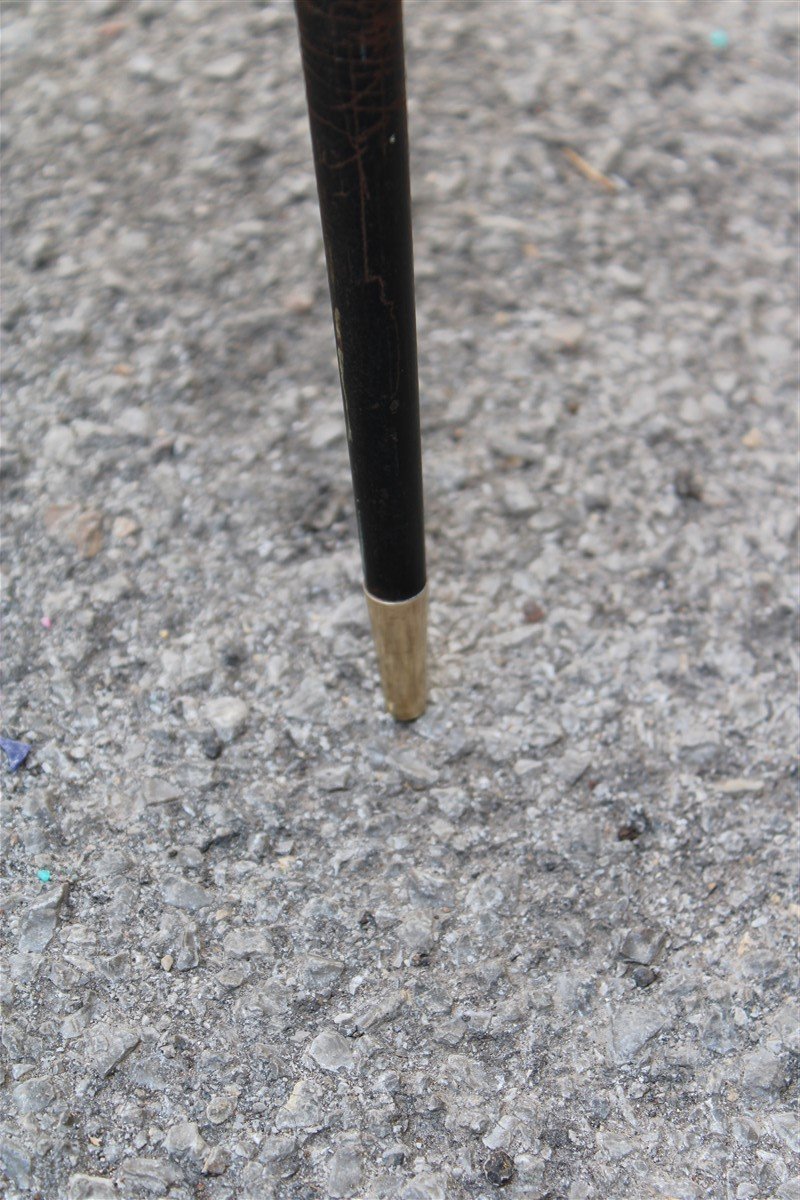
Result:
[{"x": 354, "y": 68}]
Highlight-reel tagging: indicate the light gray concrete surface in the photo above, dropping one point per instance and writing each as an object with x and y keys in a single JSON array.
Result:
[{"x": 540, "y": 944}]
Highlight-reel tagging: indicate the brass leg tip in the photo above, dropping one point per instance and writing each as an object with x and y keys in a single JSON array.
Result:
[{"x": 400, "y": 630}]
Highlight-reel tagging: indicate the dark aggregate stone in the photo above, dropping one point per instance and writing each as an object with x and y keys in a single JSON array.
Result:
[{"x": 499, "y": 1168}]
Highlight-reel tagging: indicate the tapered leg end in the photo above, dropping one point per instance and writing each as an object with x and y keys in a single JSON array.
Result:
[{"x": 400, "y": 630}]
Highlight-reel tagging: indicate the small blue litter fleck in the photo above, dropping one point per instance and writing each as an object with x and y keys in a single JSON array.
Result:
[
  {"x": 15, "y": 752},
  {"x": 719, "y": 39},
  {"x": 44, "y": 875}
]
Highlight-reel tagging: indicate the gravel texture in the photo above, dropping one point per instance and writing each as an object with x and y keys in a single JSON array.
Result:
[{"x": 258, "y": 941}]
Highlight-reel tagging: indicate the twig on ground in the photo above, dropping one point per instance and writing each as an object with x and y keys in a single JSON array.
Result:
[{"x": 586, "y": 169}]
